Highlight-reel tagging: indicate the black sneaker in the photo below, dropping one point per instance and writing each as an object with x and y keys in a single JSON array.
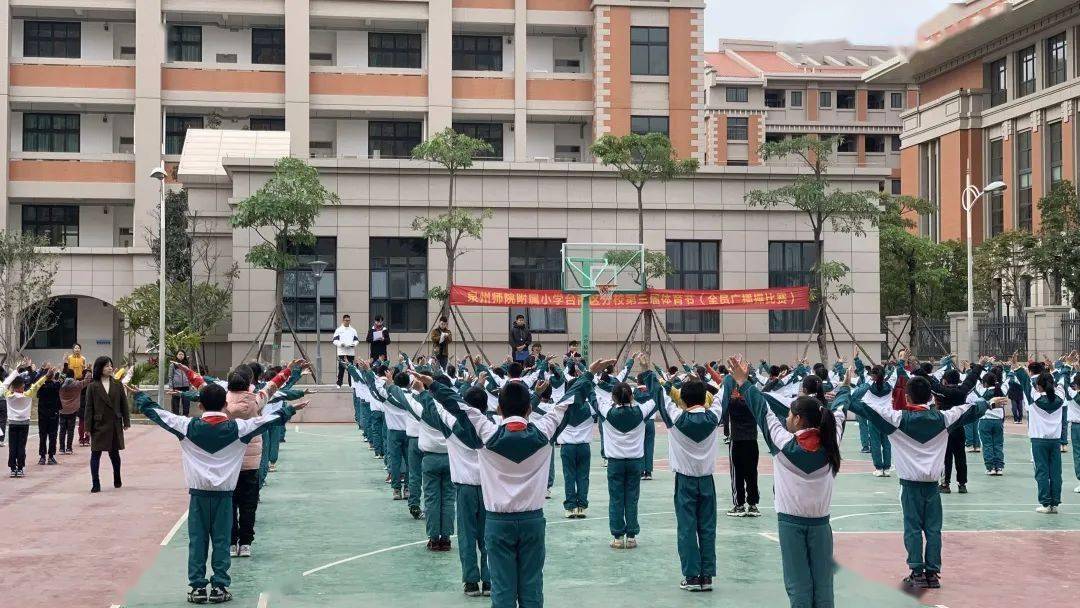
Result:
[
  {"x": 14, "y": 473},
  {"x": 706, "y": 583},
  {"x": 414, "y": 510},
  {"x": 646, "y": 476},
  {"x": 962, "y": 489},
  {"x": 52, "y": 460},
  {"x": 20, "y": 473},
  {"x": 95, "y": 488},
  {"x": 41, "y": 460},
  {"x": 220, "y": 595},
  {"x": 944, "y": 489},
  {"x": 752, "y": 511},
  {"x": 915, "y": 580},
  {"x": 485, "y": 588},
  {"x": 198, "y": 595},
  {"x": 690, "y": 583},
  {"x": 738, "y": 511},
  {"x": 933, "y": 581},
  {"x": 472, "y": 589}
]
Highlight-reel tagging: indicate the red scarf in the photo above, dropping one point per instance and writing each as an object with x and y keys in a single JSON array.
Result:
[
  {"x": 214, "y": 418},
  {"x": 809, "y": 439},
  {"x": 516, "y": 427}
]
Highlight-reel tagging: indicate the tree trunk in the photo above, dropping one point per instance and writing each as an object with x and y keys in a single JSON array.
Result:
[
  {"x": 647, "y": 321},
  {"x": 819, "y": 326},
  {"x": 913, "y": 312},
  {"x": 279, "y": 292}
]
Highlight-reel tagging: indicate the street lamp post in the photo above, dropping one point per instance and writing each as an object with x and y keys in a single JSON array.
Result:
[
  {"x": 159, "y": 174},
  {"x": 969, "y": 197},
  {"x": 317, "y": 269}
]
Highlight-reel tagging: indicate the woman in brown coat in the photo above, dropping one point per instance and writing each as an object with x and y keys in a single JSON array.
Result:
[{"x": 106, "y": 418}]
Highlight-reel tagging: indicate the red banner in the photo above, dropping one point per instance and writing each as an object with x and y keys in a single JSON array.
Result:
[{"x": 783, "y": 298}]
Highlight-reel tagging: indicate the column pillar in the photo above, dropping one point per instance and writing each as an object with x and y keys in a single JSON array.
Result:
[
  {"x": 298, "y": 76},
  {"x": 150, "y": 40},
  {"x": 439, "y": 64},
  {"x": 1045, "y": 337},
  {"x": 1038, "y": 175},
  {"x": 860, "y": 150},
  {"x": 5, "y": 113},
  {"x": 958, "y": 337},
  {"x": 521, "y": 79}
]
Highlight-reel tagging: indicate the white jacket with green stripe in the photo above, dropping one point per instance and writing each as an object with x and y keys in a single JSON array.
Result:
[{"x": 213, "y": 445}]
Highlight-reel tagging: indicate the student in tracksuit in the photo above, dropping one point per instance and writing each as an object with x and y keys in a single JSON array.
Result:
[
  {"x": 438, "y": 487},
  {"x": 213, "y": 447},
  {"x": 397, "y": 440},
  {"x": 575, "y": 453},
  {"x": 919, "y": 435},
  {"x": 1044, "y": 430},
  {"x": 624, "y": 428},
  {"x": 1073, "y": 399},
  {"x": 992, "y": 424},
  {"x": 878, "y": 393},
  {"x": 692, "y": 444},
  {"x": 650, "y": 433},
  {"x": 513, "y": 473},
  {"x": 414, "y": 474},
  {"x": 805, "y": 464}
]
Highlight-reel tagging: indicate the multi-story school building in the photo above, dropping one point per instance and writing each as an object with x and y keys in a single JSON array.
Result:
[{"x": 96, "y": 94}]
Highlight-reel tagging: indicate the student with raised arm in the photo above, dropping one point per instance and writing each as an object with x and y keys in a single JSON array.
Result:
[
  {"x": 434, "y": 463},
  {"x": 19, "y": 398},
  {"x": 806, "y": 458},
  {"x": 513, "y": 474},
  {"x": 919, "y": 436},
  {"x": 212, "y": 447},
  {"x": 1044, "y": 430},
  {"x": 991, "y": 426},
  {"x": 692, "y": 446},
  {"x": 575, "y": 449}
]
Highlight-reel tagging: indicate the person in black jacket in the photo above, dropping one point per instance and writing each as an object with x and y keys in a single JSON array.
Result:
[
  {"x": 48, "y": 417},
  {"x": 742, "y": 458},
  {"x": 949, "y": 393},
  {"x": 378, "y": 336},
  {"x": 520, "y": 340}
]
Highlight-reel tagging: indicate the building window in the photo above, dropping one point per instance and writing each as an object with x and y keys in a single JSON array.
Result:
[
  {"x": 393, "y": 139},
  {"x": 997, "y": 82},
  {"x": 537, "y": 264},
  {"x": 895, "y": 187},
  {"x": 55, "y": 225},
  {"x": 491, "y": 132},
  {"x": 399, "y": 289},
  {"x": 825, "y": 99},
  {"x": 997, "y": 199},
  {"x": 479, "y": 53},
  {"x": 176, "y": 130},
  {"x": 1023, "y": 183},
  {"x": 738, "y": 129},
  {"x": 875, "y": 144},
  {"x": 894, "y": 143},
  {"x": 875, "y": 100},
  {"x": 50, "y": 132},
  {"x": 775, "y": 98},
  {"x": 185, "y": 43},
  {"x": 796, "y": 99},
  {"x": 299, "y": 294},
  {"x": 65, "y": 312},
  {"x": 896, "y": 101},
  {"x": 649, "y": 51},
  {"x": 1056, "y": 61},
  {"x": 386, "y": 50},
  {"x": 737, "y": 163},
  {"x": 268, "y": 46},
  {"x": 643, "y": 125},
  {"x": 773, "y": 138},
  {"x": 697, "y": 266},
  {"x": 1025, "y": 72},
  {"x": 738, "y": 94},
  {"x": 848, "y": 144},
  {"x": 1053, "y": 142},
  {"x": 845, "y": 100},
  {"x": 791, "y": 264},
  {"x": 266, "y": 123},
  {"x": 52, "y": 39}
]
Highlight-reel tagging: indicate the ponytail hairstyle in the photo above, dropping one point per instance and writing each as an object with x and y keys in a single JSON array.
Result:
[
  {"x": 877, "y": 374},
  {"x": 812, "y": 387},
  {"x": 814, "y": 415},
  {"x": 821, "y": 371},
  {"x": 993, "y": 381},
  {"x": 622, "y": 394},
  {"x": 1046, "y": 382}
]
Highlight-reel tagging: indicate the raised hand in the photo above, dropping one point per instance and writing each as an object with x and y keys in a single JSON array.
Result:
[
  {"x": 299, "y": 405},
  {"x": 739, "y": 370}
]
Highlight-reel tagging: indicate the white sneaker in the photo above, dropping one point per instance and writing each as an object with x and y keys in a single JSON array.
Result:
[
  {"x": 272, "y": 468},
  {"x": 1077, "y": 489},
  {"x": 571, "y": 514},
  {"x": 879, "y": 473},
  {"x": 1046, "y": 510},
  {"x": 618, "y": 543},
  {"x": 245, "y": 551},
  {"x": 233, "y": 550},
  {"x": 989, "y": 471}
]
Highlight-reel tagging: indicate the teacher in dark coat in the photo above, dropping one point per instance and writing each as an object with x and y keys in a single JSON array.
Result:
[{"x": 106, "y": 418}]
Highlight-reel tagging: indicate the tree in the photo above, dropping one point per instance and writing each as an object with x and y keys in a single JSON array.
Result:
[
  {"x": 454, "y": 151},
  {"x": 26, "y": 282},
  {"x": 1002, "y": 267},
  {"x": 178, "y": 241},
  {"x": 1056, "y": 256},
  {"x": 640, "y": 159},
  {"x": 919, "y": 278},
  {"x": 282, "y": 213},
  {"x": 810, "y": 193}
]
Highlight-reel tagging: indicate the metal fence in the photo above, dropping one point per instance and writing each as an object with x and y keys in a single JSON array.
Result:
[
  {"x": 1001, "y": 337},
  {"x": 1070, "y": 331},
  {"x": 932, "y": 339}
]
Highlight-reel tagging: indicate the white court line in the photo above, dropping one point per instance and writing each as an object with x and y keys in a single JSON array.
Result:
[
  {"x": 175, "y": 529},
  {"x": 363, "y": 555},
  {"x": 960, "y": 531},
  {"x": 264, "y": 600}
]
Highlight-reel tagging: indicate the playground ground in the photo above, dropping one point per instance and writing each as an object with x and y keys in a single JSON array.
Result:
[{"x": 329, "y": 535}]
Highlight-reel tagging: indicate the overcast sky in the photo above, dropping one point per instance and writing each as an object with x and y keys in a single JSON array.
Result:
[{"x": 860, "y": 21}]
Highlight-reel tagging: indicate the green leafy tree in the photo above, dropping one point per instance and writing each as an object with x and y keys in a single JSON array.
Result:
[
  {"x": 640, "y": 159},
  {"x": 26, "y": 283},
  {"x": 178, "y": 239},
  {"x": 281, "y": 213},
  {"x": 454, "y": 152},
  {"x": 1002, "y": 268},
  {"x": 821, "y": 204},
  {"x": 1056, "y": 256}
]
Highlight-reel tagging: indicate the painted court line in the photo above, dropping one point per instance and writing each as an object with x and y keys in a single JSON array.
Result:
[
  {"x": 175, "y": 529},
  {"x": 363, "y": 555},
  {"x": 264, "y": 601}
]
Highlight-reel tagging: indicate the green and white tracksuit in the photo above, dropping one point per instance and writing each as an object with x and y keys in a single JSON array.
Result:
[
  {"x": 991, "y": 430},
  {"x": 919, "y": 439},
  {"x": 212, "y": 449},
  {"x": 803, "y": 482},
  {"x": 439, "y": 491},
  {"x": 574, "y": 446},
  {"x": 1044, "y": 430}
]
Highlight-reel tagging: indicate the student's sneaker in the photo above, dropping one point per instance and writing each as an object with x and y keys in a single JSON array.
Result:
[
  {"x": 944, "y": 489},
  {"x": 15, "y": 473},
  {"x": 198, "y": 595},
  {"x": 387, "y": 482},
  {"x": 737, "y": 511},
  {"x": 405, "y": 493},
  {"x": 21, "y": 473},
  {"x": 962, "y": 489},
  {"x": 646, "y": 476},
  {"x": 618, "y": 543},
  {"x": 690, "y": 583},
  {"x": 414, "y": 510},
  {"x": 1044, "y": 509},
  {"x": 41, "y": 460},
  {"x": 603, "y": 461},
  {"x": 999, "y": 472},
  {"x": 864, "y": 451},
  {"x": 581, "y": 512},
  {"x": 234, "y": 550},
  {"x": 445, "y": 544},
  {"x": 976, "y": 449},
  {"x": 752, "y": 511},
  {"x": 95, "y": 488},
  {"x": 989, "y": 471},
  {"x": 52, "y": 460},
  {"x": 220, "y": 595},
  {"x": 571, "y": 514},
  {"x": 706, "y": 583},
  {"x": 471, "y": 589},
  {"x": 933, "y": 581},
  {"x": 547, "y": 495},
  {"x": 915, "y": 580},
  {"x": 272, "y": 468},
  {"x": 485, "y": 589},
  {"x": 397, "y": 494},
  {"x": 1077, "y": 489},
  {"x": 244, "y": 551},
  {"x": 631, "y": 542},
  {"x": 431, "y": 545},
  {"x": 880, "y": 473}
]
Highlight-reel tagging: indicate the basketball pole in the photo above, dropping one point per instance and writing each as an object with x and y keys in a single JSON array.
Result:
[{"x": 586, "y": 327}]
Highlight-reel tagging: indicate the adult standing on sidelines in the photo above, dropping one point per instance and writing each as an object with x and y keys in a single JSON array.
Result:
[
  {"x": 441, "y": 338},
  {"x": 520, "y": 340},
  {"x": 76, "y": 362},
  {"x": 178, "y": 382},
  {"x": 345, "y": 339},
  {"x": 378, "y": 336},
  {"x": 107, "y": 417}
]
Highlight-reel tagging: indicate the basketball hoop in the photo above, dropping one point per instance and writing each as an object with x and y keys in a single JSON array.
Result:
[{"x": 605, "y": 292}]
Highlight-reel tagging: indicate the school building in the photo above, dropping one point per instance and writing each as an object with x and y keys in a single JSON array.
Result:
[{"x": 96, "y": 94}]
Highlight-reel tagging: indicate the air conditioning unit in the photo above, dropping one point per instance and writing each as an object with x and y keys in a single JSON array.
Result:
[{"x": 226, "y": 57}]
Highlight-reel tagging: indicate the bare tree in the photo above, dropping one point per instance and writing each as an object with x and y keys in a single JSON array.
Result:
[{"x": 26, "y": 283}]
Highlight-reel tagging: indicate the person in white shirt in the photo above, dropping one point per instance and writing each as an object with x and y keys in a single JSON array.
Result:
[{"x": 345, "y": 339}]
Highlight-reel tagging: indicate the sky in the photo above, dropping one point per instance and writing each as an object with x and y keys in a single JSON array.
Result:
[{"x": 860, "y": 21}]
